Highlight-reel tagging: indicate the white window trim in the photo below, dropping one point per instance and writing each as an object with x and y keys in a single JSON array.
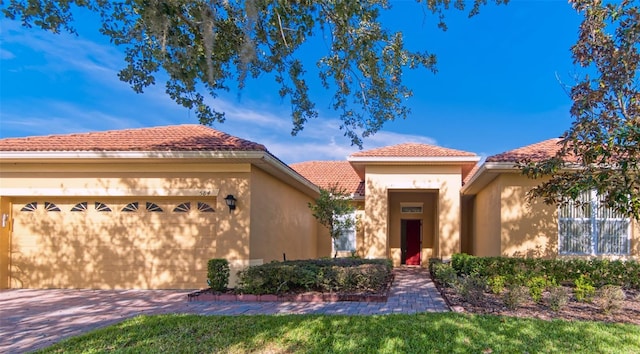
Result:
[{"x": 594, "y": 230}]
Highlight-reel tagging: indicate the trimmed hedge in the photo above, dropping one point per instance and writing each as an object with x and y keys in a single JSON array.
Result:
[
  {"x": 218, "y": 274},
  {"x": 350, "y": 275},
  {"x": 518, "y": 270}
]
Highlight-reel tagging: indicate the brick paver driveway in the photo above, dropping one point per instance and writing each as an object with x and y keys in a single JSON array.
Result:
[{"x": 32, "y": 319}]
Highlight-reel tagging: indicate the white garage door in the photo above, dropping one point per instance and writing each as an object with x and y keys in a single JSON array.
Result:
[{"x": 112, "y": 244}]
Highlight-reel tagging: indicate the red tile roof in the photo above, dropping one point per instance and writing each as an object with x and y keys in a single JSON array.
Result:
[
  {"x": 191, "y": 137},
  {"x": 326, "y": 174},
  {"x": 469, "y": 174},
  {"x": 412, "y": 150},
  {"x": 534, "y": 152}
]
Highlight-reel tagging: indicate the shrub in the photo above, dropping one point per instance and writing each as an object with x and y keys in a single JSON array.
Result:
[
  {"x": 601, "y": 272},
  {"x": 465, "y": 264},
  {"x": 610, "y": 298},
  {"x": 364, "y": 278},
  {"x": 517, "y": 279},
  {"x": 558, "y": 297},
  {"x": 536, "y": 286},
  {"x": 331, "y": 274},
  {"x": 584, "y": 290},
  {"x": 515, "y": 296},
  {"x": 434, "y": 262},
  {"x": 497, "y": 283},
  {"x": 445, "y": 274},
  {"x": 471, "y": 288},
  {"x": 277, "y": 278},
  {"x": 218, "y": 274}
]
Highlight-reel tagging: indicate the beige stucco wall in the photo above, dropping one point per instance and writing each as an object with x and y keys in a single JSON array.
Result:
[
  {"x": 380, "y": 180},
  {"x": 164, "y": 255},
  {"x": 113, "y": 180},
  {"x": 323, "y": 241},
  {"x": 281, "y": 222},
  {"x": 360, "y": 243},
  {"x": 528, "y": 228},
  {"x": 635, "y": 240},
  {"x": 5, "y": 237},
  {"x": 507, "y": 224},
  {"x": 467, "y": 214},
  {"x": 486, "y": 233}
]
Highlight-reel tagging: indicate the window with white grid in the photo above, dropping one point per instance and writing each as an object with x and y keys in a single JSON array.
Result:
[
  {"x": 347, "y": 239},
  {"x": 587, "y": 227}
]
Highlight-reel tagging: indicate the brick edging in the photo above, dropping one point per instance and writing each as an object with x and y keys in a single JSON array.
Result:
[{"x": 205, "y": 295}]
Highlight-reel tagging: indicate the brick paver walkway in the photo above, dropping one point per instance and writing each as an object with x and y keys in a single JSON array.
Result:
[{"x": 32, "y": 319}]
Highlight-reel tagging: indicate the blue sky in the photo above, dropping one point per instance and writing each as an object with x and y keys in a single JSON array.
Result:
[{"x": 499, "y": 86}]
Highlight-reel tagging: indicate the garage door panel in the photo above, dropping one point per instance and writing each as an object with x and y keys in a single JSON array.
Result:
[
  {"x": 100, "y": 269},
  {"x": 32, "y": 270},
  {"x": 110, "y": 244}
]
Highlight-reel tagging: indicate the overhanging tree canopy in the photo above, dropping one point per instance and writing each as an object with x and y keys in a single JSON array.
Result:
[
  {"x": 601, "y": 149},
  {"x": 217, "y": 44}
]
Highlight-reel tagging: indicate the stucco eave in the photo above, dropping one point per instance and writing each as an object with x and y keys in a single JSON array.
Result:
[
  {"x": 485, "y": 174},
  {"x": 123, "y": 156},
  {"x": 490, "y": 170},
  {"x": 359, "y": 163}
]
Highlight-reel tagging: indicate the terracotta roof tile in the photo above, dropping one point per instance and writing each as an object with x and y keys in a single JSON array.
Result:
[
  {"x": 326, "y": 174},
  {"x": 467, "y": 177},
  {"x": 535, "y": 152},
  {"x": 191, "y": 137},
  {"x": 412, "y": 150}
]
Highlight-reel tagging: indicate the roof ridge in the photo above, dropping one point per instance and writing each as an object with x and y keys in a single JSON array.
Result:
[
  {"x": 319, "y": 161},
  {"x": 412, "y": 149},
  {"x": 108, "y": 131}
]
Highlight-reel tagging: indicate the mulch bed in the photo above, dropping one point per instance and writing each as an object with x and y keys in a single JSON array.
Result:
[{"x": 574, "y": 311}]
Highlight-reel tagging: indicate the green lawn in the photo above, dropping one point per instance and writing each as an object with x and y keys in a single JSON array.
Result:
[{"x": 440, "y": 332}]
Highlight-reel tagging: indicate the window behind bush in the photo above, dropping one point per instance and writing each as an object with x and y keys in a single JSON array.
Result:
[
  {"x": 589, "y": 227},
  {"x": 347, "y": 239}
]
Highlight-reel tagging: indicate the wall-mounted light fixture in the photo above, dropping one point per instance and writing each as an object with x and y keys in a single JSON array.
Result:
[{"x": 231, "y": 202}]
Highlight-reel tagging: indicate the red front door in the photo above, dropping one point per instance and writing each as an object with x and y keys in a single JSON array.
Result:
[{"x": 412, "y": 241}]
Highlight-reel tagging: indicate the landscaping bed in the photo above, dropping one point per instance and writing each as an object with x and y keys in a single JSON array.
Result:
[
  {"x": 468, "y": 284},
  {"x": 318, "y": 280},
  {"x": 493, "y": 304}
]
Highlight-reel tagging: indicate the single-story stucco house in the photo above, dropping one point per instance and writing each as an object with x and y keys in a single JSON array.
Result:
[{"x": 146, "y": 208}]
